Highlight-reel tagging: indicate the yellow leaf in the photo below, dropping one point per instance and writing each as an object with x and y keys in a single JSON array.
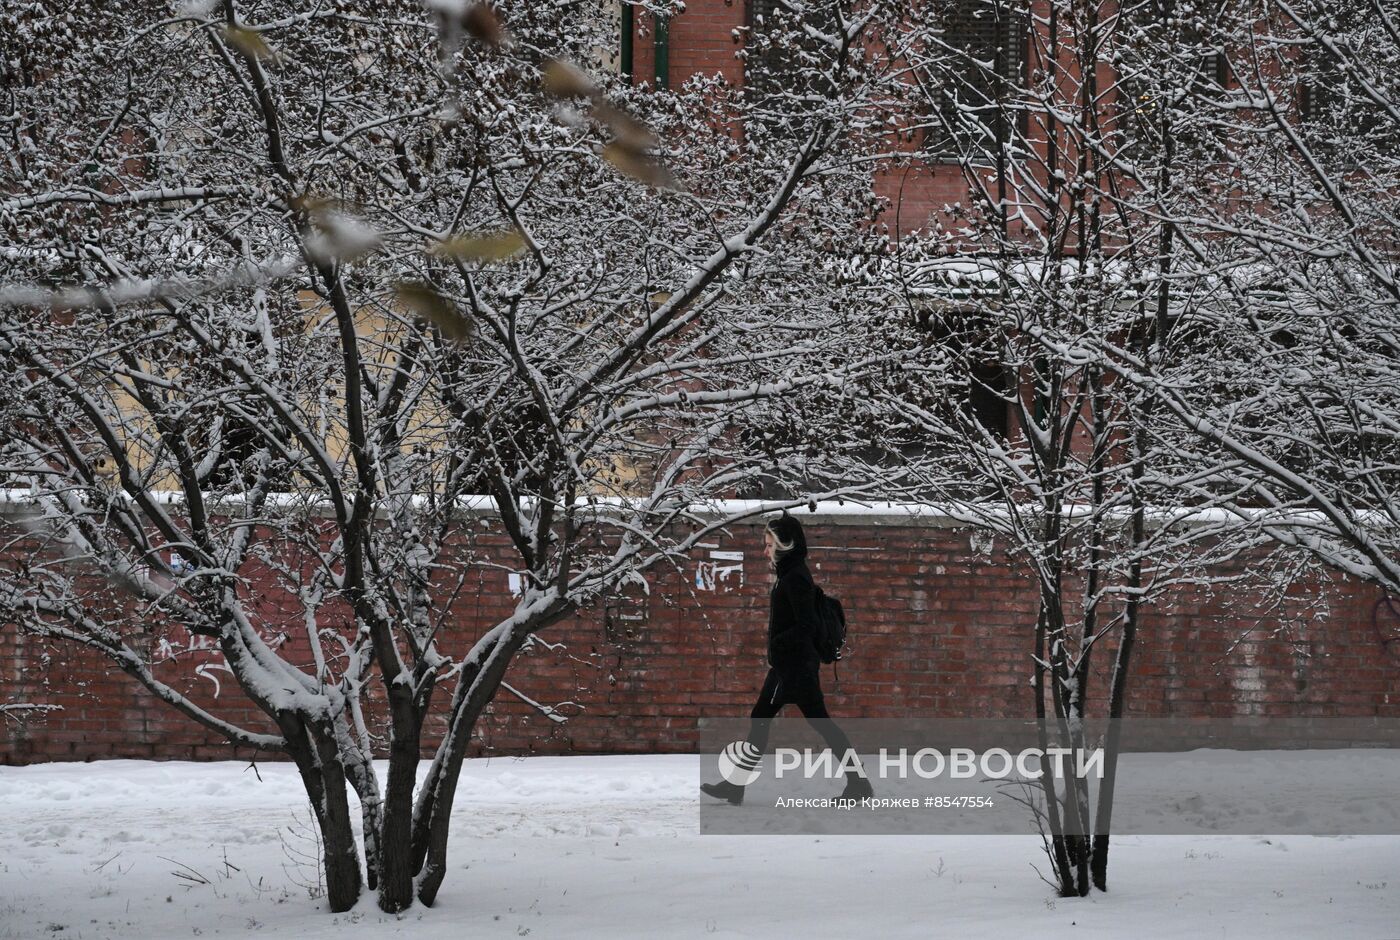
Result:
[
  {"x": 639, "y": 166},
  {"x": 495, "y": 246},
  {"x": 436, "y": 309},
  {"x": 482, "y": 24},
  {"x": 563, "y": 80},
  {"x": 629, "y": 131},
  {"x": 247, "y": 41},
  {"x": 312, "y": 203}
]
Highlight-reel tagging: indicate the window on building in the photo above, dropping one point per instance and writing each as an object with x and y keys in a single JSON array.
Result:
[
  {"x": 785, "y": 61},
  {"x": 1333, "y": 99},
  {"x": 1171, "y": 70},
  {"x": 973, "y": 76},
  {"x": 982, "y": 391}
]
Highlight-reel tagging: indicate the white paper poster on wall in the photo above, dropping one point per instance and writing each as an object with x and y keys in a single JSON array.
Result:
[{"x": 721, "y": 571}]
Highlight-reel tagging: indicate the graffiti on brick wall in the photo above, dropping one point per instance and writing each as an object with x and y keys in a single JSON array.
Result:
[
  {"x": 720, "y": 571},
  {"x": 179, "y": 645}
]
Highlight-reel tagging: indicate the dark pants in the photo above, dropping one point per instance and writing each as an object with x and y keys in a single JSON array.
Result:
[{"x": 771, "y": 700}]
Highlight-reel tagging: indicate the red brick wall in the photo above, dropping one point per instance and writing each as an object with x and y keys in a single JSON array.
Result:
[
  {"x": 702, "y": 42},
  {"x": 938, "y": 629}
]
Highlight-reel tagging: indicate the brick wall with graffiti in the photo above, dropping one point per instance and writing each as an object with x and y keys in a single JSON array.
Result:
[{"x": 941, "y": 621}]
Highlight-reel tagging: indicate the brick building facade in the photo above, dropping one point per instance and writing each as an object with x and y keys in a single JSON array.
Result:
[
  {"x": 942, "y": 622},
  {"x": 703, "y": 41}
]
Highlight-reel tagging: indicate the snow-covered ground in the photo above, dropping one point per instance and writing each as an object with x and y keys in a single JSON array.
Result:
[{"x": 609, "y": 846}]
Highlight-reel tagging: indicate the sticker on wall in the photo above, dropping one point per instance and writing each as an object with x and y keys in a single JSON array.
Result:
[
  {"x": 722, "y": 571},
  {"x": 982, "y": 542}
]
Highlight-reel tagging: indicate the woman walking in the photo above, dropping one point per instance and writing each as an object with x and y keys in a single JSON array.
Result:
[{"x": 794, "y": 674}]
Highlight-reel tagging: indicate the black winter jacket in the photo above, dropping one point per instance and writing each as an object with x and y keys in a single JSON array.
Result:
[{"x": 792, "y": 617}]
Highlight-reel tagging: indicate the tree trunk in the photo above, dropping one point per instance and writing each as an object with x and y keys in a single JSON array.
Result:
[
  {"x": 318, "y": 760},
  {"x": 434, "y": 810},
  {"x": 1118, "y": 693},
  {"x": 439, "y": 817},
  {"x": 342, "y": 857},
  {"x": 1059, "y": 854},
  {"x": 396, "y": 845},
  {"x": 432, "y": 783},
  {"x": 1112, "y": 744},
  {"x": 359, "y": 769}
]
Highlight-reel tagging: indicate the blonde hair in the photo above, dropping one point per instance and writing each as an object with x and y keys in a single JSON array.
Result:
[{"x": 778, "y": 543}]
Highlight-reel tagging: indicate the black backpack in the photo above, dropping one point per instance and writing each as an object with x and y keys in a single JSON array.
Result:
[{"x": 830, "y": 634}]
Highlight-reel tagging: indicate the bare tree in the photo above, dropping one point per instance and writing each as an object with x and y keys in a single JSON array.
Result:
[
  {"x": 292, "y": 291},
  {"x": 1248, "y": 156},
  {"x": 1049, "y": 113},
  {"x": 1284, "y": 271}
]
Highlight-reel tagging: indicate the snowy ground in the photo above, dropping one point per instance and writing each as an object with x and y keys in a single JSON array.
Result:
[{"x": 609, "y": 846}]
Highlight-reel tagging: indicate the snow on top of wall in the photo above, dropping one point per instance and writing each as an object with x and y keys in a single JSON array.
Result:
[{"x": 17, "y": 501}]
